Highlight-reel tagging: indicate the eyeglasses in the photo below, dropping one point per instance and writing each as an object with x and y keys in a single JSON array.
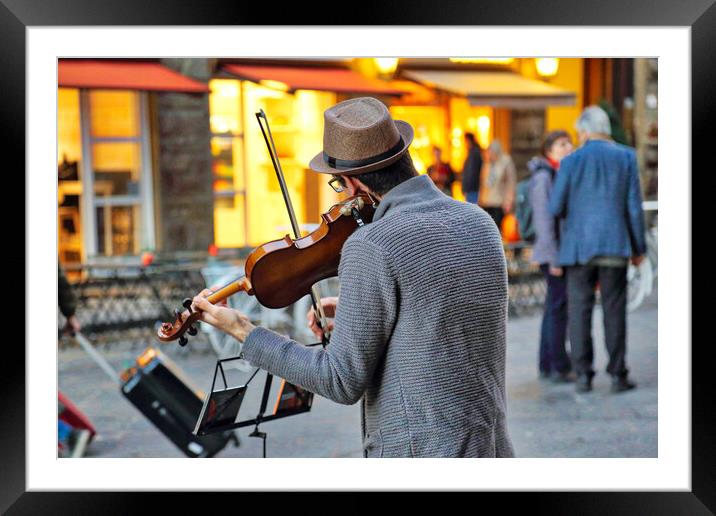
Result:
[{"x": 337, "y": 184}]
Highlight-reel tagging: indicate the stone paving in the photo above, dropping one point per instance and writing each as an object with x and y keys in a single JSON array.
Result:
[{"x": 545, "y": 420}]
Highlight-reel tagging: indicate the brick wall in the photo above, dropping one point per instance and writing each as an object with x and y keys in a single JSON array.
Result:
[{"x": 184, "y": 181}]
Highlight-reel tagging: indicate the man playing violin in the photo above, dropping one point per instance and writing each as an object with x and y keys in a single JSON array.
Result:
[{"x": 420, "y": 326}]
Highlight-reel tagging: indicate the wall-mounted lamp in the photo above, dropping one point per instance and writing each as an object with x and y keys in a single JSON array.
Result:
[
  {"x": 483, "y": 130},
  {"x": 483, "y": 60},
  {"x": 274, "y": 85},
  {"x": 386, "y": 65},
  {"x": 547, "y": 66}
]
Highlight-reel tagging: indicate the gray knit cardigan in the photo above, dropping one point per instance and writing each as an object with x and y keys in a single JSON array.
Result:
[{"x": 419, "y": 332}]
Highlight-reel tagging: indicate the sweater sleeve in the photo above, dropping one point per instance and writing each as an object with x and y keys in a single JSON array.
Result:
[
  {"x": 544, "y": 221},
  {"x": 365, "y": 318}
]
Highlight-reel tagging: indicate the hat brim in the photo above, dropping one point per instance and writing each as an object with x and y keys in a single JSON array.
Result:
[{"x": 318, "y": 164}]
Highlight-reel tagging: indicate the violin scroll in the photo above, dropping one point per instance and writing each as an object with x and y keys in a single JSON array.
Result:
[{"x": 183, "y": 323}]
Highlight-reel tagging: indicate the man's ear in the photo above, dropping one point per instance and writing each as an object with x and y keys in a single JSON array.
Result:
[
  {"x": 353, "y": 184},
  {"x": 356, "y": 186}
]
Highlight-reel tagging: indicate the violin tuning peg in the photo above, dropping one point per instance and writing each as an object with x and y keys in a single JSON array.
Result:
[
  {"x": 187, "y": 303},
  {"x": 192, "y": 330},
  {"x": 183, "y": 341}
]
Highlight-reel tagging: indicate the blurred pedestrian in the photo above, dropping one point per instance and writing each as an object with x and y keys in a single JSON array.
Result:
[
  {"x": 68, "y": 303},
  {"x": 597, "y": 191},
  {"x": 554, "y": 361},
  {"x": 497, "y": 194},
  {"x": 72, "y": 441},
  {"x": 441, "y": 173},
  {"x": 472, "y": 169}
]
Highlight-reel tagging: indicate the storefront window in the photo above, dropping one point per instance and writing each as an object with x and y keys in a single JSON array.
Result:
[
  {"x": 118, "y": 164},
  {"x": 297, "y": 124},
  {"x": 430, "y": 126},
  {"x": 69, "y": 156},
  {"x": 227, "y": 145},
  {"x": 248, "y": 204},
  {"x": 465, "y": 118},
  {"x": 69, "y": 141}
]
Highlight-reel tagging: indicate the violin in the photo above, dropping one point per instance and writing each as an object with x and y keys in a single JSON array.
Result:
[{"x": 280, "y": 272}]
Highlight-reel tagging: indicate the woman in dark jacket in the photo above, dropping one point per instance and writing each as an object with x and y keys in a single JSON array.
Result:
[
  {"x": 472, "y": 170},
  {"x": 553, "y": 358}
]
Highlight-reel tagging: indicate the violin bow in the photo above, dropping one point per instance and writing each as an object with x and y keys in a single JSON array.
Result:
[{"x": 315, "y": 293}]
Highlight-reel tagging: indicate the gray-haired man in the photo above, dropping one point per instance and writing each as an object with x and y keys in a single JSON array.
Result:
[
  {"x": 431, "y": 377},
  {"x": 597, "y": 192}
]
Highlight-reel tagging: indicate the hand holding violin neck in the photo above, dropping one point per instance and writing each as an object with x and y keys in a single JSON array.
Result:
[{"x": 240, "y": 285}]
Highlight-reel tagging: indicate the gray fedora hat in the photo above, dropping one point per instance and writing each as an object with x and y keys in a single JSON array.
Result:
[{"x": 360, "y": 136}]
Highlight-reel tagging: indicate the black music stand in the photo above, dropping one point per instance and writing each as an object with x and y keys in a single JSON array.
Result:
[{"x": 221, "y": 406}]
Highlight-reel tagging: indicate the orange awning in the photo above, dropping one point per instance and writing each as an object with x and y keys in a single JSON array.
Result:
[
  {"x": 340, "y": 80},
  {"x": 124, "y": 75}
]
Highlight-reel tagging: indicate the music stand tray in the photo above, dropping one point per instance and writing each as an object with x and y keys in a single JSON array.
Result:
[{"x": 221, "y": 406}]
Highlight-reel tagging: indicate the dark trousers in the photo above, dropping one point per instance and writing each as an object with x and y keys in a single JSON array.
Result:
[
  {"x": 581, "y": 282},
  {"x": 552, "y": 347},
  {"x": 497, "y": 215}
]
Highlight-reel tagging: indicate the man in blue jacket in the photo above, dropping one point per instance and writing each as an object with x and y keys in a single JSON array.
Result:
[{"x": 598, "y": 194}]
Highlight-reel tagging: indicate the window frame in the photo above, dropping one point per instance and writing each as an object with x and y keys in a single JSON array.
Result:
[{"x": 144, "y": 199}]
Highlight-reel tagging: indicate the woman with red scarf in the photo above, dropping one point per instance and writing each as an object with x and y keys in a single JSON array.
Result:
[{"x": 554, "y": 361}]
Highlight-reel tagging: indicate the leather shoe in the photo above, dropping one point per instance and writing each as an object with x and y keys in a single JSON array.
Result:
[
  {"x": 583, "y": 383},
  {"x": 621, "y": 384}
]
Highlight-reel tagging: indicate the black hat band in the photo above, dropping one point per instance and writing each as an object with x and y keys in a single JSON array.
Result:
[{"x": 343, "y": 164}]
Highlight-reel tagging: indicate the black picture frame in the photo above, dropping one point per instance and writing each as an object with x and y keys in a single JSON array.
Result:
[{"x": 17, "y": 15}]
